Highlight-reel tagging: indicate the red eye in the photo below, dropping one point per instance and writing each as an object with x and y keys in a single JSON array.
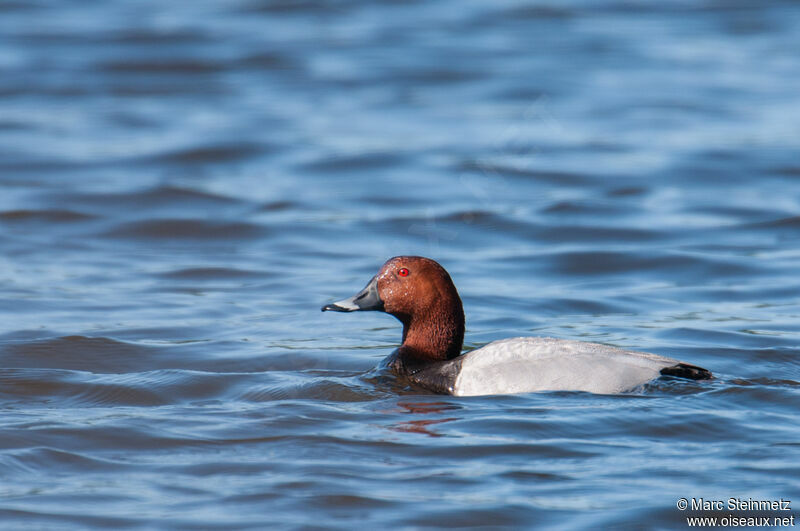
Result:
[{"x": 403, "y": 272}]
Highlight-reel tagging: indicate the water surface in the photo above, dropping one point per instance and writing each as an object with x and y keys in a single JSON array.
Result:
[{"x": 184, "y": 184}]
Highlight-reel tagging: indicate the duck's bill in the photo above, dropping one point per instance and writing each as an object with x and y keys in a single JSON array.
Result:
[{"x": 366, "y": 299}]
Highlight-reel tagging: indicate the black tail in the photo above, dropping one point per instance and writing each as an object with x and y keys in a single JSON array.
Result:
[{"x": 684, "y": 370}]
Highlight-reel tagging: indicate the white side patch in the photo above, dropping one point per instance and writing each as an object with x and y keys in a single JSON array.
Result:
[{"x": 527, "y": 364}]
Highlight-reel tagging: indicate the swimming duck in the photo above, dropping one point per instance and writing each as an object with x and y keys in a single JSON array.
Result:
[{"x": 419, "y": 292}]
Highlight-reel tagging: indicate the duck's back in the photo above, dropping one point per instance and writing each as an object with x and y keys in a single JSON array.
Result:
[{"x": 526, "y": 364}]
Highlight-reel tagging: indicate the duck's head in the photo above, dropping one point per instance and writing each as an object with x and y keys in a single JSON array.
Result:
[{"x": 418, "y": 292}]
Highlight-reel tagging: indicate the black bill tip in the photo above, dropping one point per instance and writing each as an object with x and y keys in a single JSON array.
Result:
[{"x": 334, "y": 308}]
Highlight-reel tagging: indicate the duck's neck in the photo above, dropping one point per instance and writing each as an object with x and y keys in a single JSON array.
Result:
[{"x": 434, "y": 335}]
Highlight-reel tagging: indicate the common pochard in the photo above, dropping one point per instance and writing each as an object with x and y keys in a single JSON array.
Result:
[{"x": 419, "y": 292}]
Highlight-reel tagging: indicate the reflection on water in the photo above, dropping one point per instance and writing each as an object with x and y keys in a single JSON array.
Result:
[
  {"x": 182, "y": 185},
  {"x": 424, "y": 427}
]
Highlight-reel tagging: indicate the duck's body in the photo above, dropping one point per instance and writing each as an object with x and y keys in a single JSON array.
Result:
[
  {"x": 527, "y": 364},
  {"x": 419, "y": 292}
]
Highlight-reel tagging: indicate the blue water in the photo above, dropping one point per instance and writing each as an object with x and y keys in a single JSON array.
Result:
[{"x": 184, "y": 184}]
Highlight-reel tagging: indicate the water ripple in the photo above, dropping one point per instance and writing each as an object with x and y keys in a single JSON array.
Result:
[{"x": 186, "y": 229}]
